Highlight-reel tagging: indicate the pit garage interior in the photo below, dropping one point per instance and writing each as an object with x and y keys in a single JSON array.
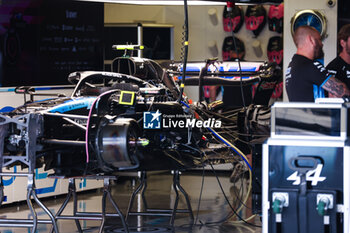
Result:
[{"x": 167, "y": 116}]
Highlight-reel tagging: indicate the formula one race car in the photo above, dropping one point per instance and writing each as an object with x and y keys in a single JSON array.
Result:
[{"x": 133, "y": 119}]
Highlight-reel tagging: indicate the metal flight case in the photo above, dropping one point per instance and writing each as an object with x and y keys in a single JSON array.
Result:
[{"x": 306, "y": 168}]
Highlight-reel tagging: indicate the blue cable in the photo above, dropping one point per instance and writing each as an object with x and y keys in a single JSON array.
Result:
[
  {"x": 227, "y": 144},
  {"x": 218, "y": 136},
  {"x": 185, "y": 104}
]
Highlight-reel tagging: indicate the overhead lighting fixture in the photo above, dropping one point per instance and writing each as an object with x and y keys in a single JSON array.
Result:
[{"x": 162, "y": 2}]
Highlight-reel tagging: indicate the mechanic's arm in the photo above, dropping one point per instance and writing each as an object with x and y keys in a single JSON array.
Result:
[{"x": 335, "y": 87}]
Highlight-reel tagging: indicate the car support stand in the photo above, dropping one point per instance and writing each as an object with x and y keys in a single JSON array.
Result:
[
  {"x": 161, "y": 212},
  {"x": 30, "y": 194},
  {"x": 30, "y": 124},
  {"x": 91, "y": 215}
]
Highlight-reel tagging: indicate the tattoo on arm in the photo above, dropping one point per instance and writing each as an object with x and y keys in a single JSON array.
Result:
[{"x": 336, "y": 87}]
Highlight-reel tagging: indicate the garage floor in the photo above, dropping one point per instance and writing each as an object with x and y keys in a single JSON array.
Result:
[{"x": 211, "y": 217}]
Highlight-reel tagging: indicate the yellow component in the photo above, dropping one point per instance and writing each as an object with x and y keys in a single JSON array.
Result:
[
  {"x": 182, "y": 85},
  {"x": 127, "y": 98},
  {"x": 129, "y": 47},
  {"x": 186, "y": 43},
  {"x": 143, "y": 142}
]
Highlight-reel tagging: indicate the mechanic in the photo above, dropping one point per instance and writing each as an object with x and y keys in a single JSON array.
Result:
[
  {"x": 306, "y": 78},
  {"x": 340, "y": 66}
]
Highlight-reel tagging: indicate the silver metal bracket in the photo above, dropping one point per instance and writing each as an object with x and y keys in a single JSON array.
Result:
[
  {"x": 323, "y": 196},
  {"x": 284, "y": 197}
]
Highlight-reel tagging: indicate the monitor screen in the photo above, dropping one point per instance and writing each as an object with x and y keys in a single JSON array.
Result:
[
  {"x": 308, "y": 121},
  {"x": 45, "y": 40},
  {"x": 157, "y": 42}
]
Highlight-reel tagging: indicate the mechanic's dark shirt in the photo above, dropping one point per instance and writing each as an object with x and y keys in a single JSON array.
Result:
[
  {"x": 340, "y": 69},
  {"x": 304, "y": 79}
]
